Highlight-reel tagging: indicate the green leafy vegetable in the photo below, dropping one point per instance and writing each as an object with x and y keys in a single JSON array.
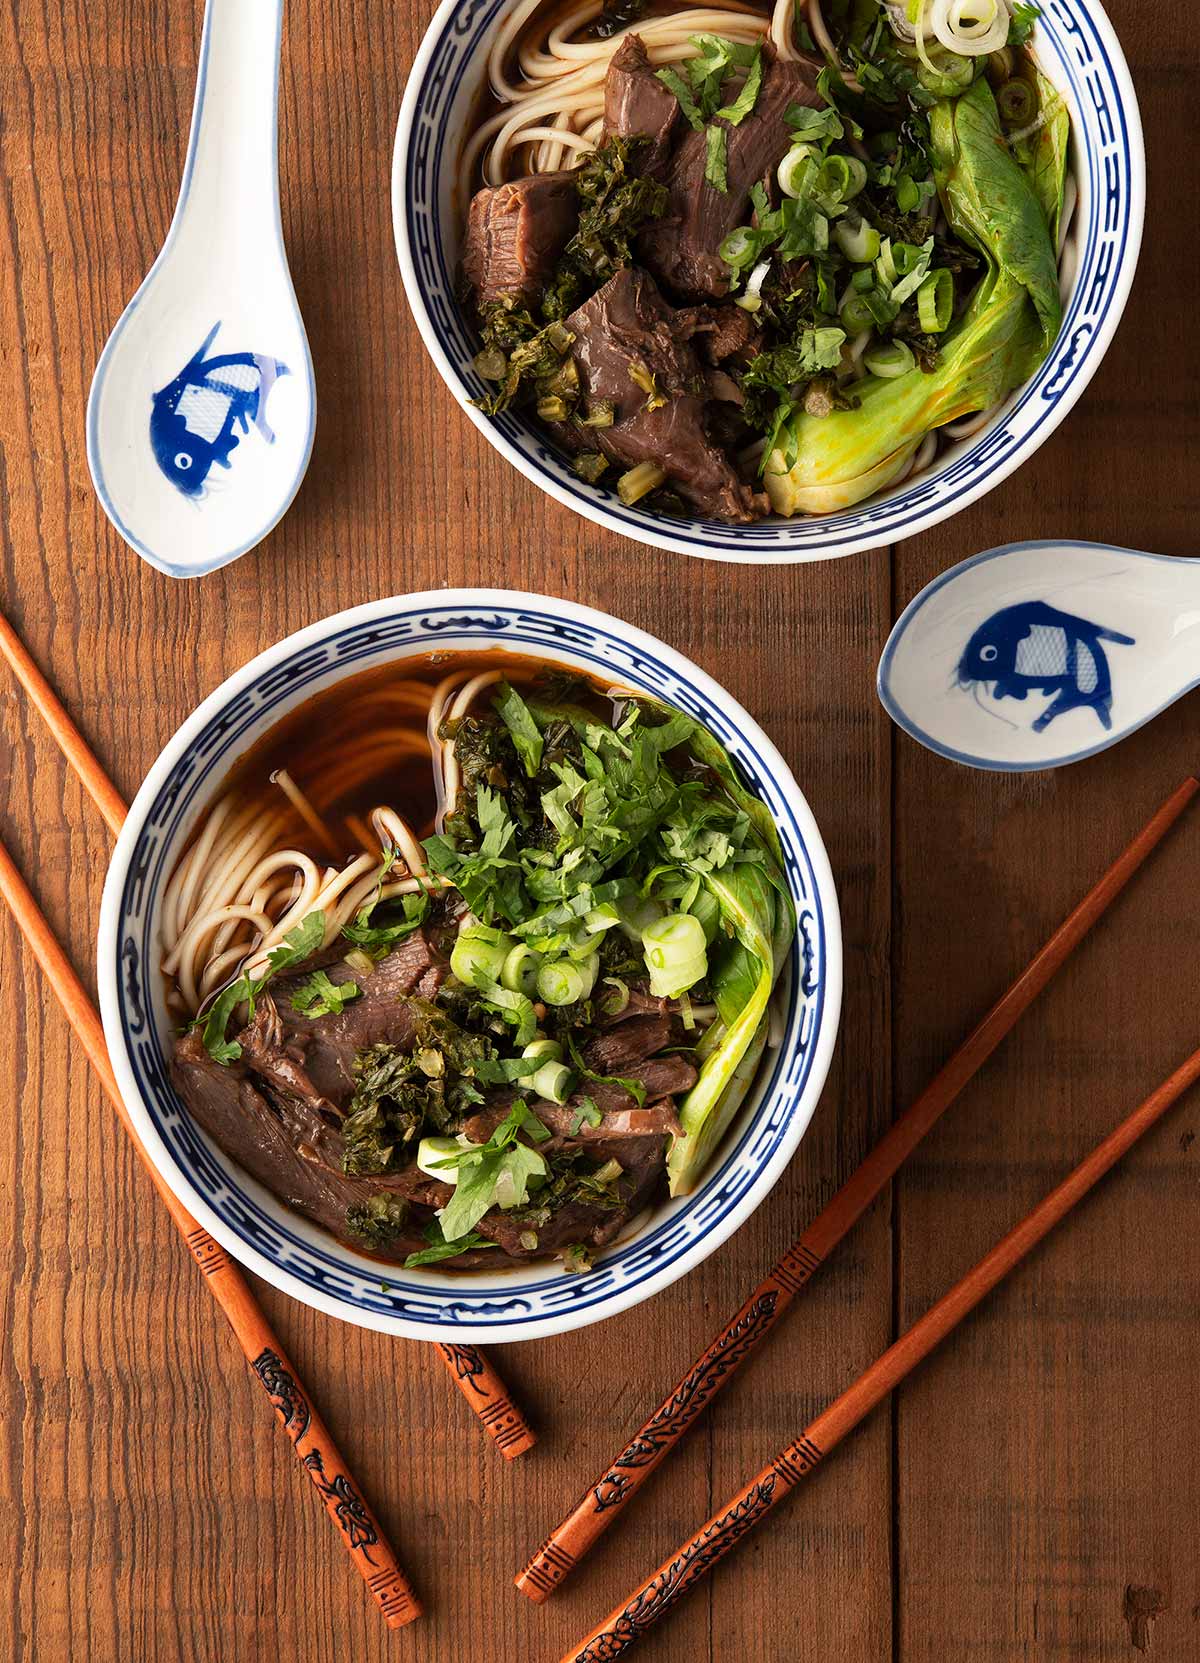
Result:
[
  {"x": 298, "y": 944},
  {"x": 842, "y": 458},
  {"x": 439, "y": 1248},
  {"x": 1046, "y": 162},
  {"x": 377, "y": 1223},
  {"x": 747, "y": 98},
  {"x": 319, "y": 996},
  {"x": 745, "y": 895},
  {"x": 526, "y": 735},
  {"x": 716, "y": 158},
  {"x": 497, "y": 1173},
  {"x": 1021, "y": 24},
  {"x": 615, "y": 201},
  {"x": 674, "y": 82},
  {"x": 989, "y": 199}
]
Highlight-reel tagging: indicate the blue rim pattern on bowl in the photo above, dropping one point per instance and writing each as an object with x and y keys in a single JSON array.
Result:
[
  {"x": 1072, "y": 38},
  {"x": 292, "y": 1253}
]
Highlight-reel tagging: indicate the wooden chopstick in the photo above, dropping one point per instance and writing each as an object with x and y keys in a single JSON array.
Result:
[
  {"x": 469, "y": 1368},
  {"x": 363, "y": 1537},
  {"x": 695, "y": 1557},
  {"x": 605, "y": 1499}
]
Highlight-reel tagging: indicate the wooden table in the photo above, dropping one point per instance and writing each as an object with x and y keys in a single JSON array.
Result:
[{"x": 1046, "y": 1462}]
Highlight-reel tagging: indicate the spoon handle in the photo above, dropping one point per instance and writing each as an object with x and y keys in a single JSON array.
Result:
[{"x": 230, "y": 189}]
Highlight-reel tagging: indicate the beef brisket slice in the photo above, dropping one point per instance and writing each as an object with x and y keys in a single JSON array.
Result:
[
  {"x": 637, "y": 105},
  {"x": 324, "y": 1047},
  {"x": 628, "y": 323},
  {"x": 681, "y": 248},
  {"x": 515, "y": 234}
]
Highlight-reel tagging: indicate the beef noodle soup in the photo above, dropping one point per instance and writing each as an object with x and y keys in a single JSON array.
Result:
[
  {"x": 474, "y": 960},
  {"x": 742, "y": 261}
]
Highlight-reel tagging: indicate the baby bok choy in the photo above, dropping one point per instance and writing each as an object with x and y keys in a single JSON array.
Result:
[
  {"x": 1009, "y": 324},
  {"x": 757, "y": 913}
]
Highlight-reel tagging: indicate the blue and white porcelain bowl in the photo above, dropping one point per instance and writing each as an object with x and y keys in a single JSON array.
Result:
[
  {"x": 1076, "y": 48},
  {"x": 286, "y": 1249}
]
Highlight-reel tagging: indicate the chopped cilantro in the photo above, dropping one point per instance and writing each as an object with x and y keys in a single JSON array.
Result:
[{"x": 319, "y": 996}]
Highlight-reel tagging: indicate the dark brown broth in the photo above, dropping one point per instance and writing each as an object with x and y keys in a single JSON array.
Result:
[{"x": 352, "y": 711}]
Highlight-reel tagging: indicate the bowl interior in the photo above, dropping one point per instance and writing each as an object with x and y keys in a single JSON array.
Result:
[
  {"x": 244, "y": 1217},
  {"x": 1077, "y": 50}
]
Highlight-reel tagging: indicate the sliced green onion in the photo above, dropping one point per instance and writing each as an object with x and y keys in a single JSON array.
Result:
[
  {"x": 907, "y": 257},
  {"x": 528, "y": 1240},
  {"x": 676, "y": 954},
  {"x": 360, "y": 961},
  {"x": 739, "y": 247},
  {"x": 562, "y": 982},
  {"x": 833, "y": 179},
  {"x": 863, "y": 281},
  {"x": 553, "y": 1082},
  {"x": 858, "y": 241},
  {"x": 638, "y": 482},
  {"x": 892, "y": 359},
  {"x": 520, "y": 968},
  {"x": 858, "y": 176},
  {"x": 856, "y": 314},
  {"x": 479, "y": 953},
  {"x": 553, "y": 408},
  {"x": 751, "y": 301},
  {"x": 935, "y": 301},
  {"x": 601, "y": 918},
  {"x": 794, "y": 173},
  {"x": 433, "y": 1154},
  {"x": 548, "y": 1050},
  {"x": 618, "y": 998},
  {"x": 608, "y": 1173},
  {"x": 886, "y": 264},
  {"x": 1016, "y": 102}
]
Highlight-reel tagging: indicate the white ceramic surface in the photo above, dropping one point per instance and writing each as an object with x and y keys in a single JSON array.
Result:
[
  {"x": 1077, "y": 49},
  {"x": 289, "y": 1252},
  {"x": 1039, "y": 654},
  {"x": 202, "y": 409}
]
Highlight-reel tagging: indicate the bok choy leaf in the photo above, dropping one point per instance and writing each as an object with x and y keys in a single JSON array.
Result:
[{"x": 747, "y": 900}]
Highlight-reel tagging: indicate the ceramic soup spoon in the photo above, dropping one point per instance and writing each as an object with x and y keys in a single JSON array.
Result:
[
  {"x": 202, "y": 409},
  {"x": 1039, "y": 654}
]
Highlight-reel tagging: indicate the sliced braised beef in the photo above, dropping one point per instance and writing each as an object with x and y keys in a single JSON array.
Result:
[
  {"x": 681, "y": 248},
  {"x": 628, "y": 326},
  {"x": 636, "y": 104},
  {"x": 728, "y": 332},
  {"x": 621, "y": 1049},
  {"x": 325, "y": 1047},
  {"x": 225, "y": 1102},
  {"x": 515, "y": 234}
]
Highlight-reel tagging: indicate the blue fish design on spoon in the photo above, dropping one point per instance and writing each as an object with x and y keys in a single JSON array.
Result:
[
  {"x": 1034, "y": 648},
  {"x": 195, "y": 418}
]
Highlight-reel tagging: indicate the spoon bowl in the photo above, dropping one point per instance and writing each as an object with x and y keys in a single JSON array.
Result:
[
  {"x": 202, "y": 409},
  {"x": 1039, "y": 654}
]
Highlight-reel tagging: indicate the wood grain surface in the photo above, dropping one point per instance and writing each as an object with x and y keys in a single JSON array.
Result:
[{"x": 1033, "y": 1492}]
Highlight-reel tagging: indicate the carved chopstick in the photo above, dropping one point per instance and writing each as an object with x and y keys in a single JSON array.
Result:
[
  {"x": 766, "y": 1489},
  {"x": 470, "y": 1370},
  {"x": 612, "y": 1491},
  {"x": 318, "y": 1455}
]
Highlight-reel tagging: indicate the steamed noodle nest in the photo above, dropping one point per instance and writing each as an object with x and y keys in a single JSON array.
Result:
[
  {"x": 243, "y": 884},
  {"x": 550, "y": 85}
]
